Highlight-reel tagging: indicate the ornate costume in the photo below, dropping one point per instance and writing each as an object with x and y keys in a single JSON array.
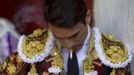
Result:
[{"x": 39, "y": 54}]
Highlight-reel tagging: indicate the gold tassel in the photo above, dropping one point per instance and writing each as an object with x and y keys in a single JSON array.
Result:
[
  {"x": 33, "y": 70},
  {"x": 113, "y": 72}
]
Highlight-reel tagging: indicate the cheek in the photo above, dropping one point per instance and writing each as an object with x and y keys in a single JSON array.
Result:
[{"x": 78, "y": 39}]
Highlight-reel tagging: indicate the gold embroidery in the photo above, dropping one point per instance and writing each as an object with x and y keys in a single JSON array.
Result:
[
  {"x": 33, "y": 69},
  {"x": 57, "y": 60},
  {"x": 33, "y": 48},
  {"x": 45, "y": 73},
  {"x": 88, "y": 63},
  {"x": 110, "y": 36},
  {"x": 18, "y": 59},
  {"x": 37, "y": 33},
  {"x": 116, "y": 54},
  {"x": 114, "y": 50},
  {"x": 123, "y": 71},
  {"x": 11, "y": 69},
  {"x": 119, "y": 71},
  {"x": 34, "y": 44},
  {"x": 4, "y": 65},
  {"x": 20, "y": 66},
  {"x": 113, "y": 72}
]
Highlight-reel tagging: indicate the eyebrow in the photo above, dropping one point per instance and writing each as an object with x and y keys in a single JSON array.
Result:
[{"x": 75, "y": 34}]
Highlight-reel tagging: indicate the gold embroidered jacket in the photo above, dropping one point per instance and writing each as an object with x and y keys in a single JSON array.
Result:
[{"x": 38, "y": 54}]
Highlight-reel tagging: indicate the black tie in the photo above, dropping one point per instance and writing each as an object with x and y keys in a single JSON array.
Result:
[{"x": 73, "y": 65}]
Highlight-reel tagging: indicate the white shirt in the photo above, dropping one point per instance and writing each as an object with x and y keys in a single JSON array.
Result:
[{"x": 81, "y": 54}]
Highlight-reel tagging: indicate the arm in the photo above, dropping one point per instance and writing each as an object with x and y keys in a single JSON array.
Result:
[{"x": 13, "y": 65}]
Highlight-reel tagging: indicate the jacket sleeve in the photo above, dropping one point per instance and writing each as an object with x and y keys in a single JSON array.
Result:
[
  {"x": 13, "y": 65},
  {"x": 19, "y": 63}
]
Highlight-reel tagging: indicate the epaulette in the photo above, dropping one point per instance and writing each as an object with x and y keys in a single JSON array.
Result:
[
  {"x": 36, "y": 46},
  {"x": 111, "y": 52}
]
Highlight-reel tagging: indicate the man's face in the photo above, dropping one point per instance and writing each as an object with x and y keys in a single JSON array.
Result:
[{"x": 70, "y": 38}]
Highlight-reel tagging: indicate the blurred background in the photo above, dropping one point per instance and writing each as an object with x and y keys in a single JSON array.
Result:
[{"x": 19, "y": 17}]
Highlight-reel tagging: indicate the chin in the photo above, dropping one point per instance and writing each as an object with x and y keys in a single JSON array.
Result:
[{"x": 76, "y": 48}]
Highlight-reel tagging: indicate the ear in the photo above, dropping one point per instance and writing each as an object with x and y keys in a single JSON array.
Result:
[{"x": 88, "y": 17}]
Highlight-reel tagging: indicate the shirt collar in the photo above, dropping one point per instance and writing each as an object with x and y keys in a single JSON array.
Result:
[
  {"x": 81, "y": 54},
  {"x": 86, "y": 42}
]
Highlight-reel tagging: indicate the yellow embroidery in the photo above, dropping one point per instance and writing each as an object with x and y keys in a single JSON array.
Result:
[
  {"x": 91, "y": 51},
  {"x": 33, "y": 45},
  {"x": 12, "y": 58},
  {"x": 33, "y": 70},
  {"x": 36, "y": 33},
  {"x": 113, "y": 72},
  {"x": 119, "y": 71},
  {"x": 116, "y": 54},
  {"x": 57, "y": 60},
  {"x": 88, "y": 63},
  {"x": 33, "y": 48},
  {"x": 4, "y": 65},
  {"x": 110, "y": 36},
  {"x": 114, "y": 50},
  {"x": 123, "y": 71},
  {"x": 11, "y": 69},
  {"x": 45, "y": 73},
  {"x": 18, "y": 59}
]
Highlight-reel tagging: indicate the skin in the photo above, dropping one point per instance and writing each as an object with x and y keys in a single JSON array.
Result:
[{"x": 71, "y": 38}]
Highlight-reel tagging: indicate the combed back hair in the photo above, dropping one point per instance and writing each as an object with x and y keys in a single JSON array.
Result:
[{"x": 65, "y": 13}]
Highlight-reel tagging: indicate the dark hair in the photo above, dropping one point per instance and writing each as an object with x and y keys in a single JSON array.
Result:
[{"x": 65, "y": 13}]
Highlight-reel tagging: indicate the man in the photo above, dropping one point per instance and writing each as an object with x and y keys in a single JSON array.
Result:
[{"x": 69, "y": 46}]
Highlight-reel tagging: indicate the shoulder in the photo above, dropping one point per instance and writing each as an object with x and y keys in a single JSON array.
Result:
[
  {"x": 111, "y": 52},
  {"x": 12, "y": 64},
  {"x": 36, "y": 46}
]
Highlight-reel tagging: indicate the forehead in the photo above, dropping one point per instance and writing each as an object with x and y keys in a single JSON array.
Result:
[{"x": 65, "y": 32}]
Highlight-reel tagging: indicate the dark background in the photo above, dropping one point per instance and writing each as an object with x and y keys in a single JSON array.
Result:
[{"x": 25, "y": 14}]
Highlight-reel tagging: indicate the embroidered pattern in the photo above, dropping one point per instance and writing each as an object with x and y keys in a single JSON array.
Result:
[
  {"x": 88, "y": 63},
  {"x": 107, "y": 61},
  {"x": 56, "y": 61},
  {"x": 31, "y": 49}
]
